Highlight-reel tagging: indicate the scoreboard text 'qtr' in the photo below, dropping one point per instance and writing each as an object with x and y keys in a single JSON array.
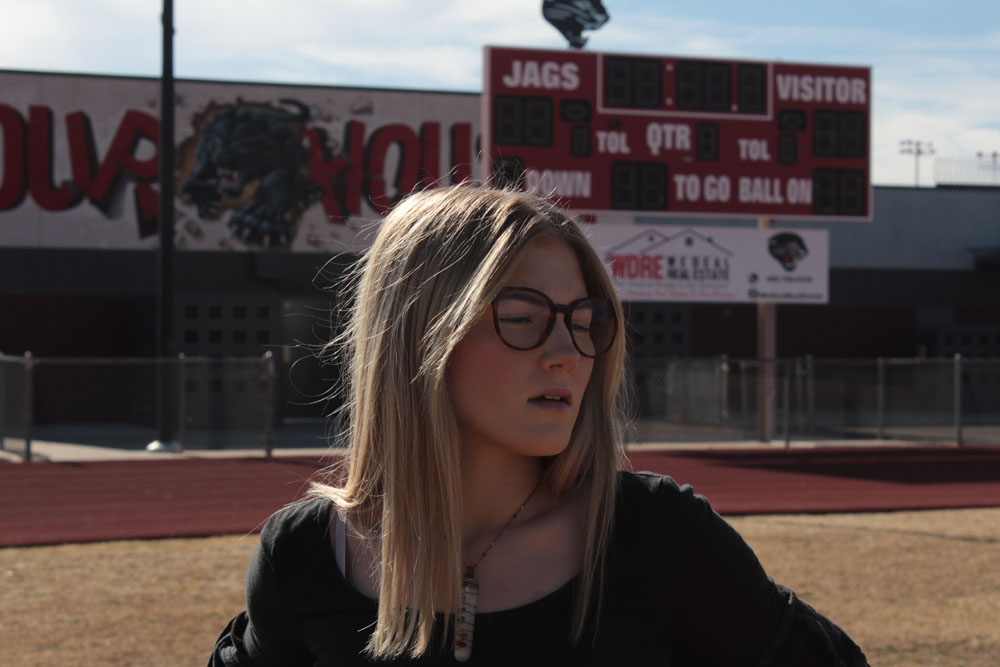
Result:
[{"x": 661, "y": 135}]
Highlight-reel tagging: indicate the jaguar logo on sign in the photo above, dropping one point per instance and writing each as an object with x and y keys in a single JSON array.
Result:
[{"x": 788, "y": 249}]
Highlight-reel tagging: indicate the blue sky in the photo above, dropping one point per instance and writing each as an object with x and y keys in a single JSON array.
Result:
[{"x": 935, "y": 66}]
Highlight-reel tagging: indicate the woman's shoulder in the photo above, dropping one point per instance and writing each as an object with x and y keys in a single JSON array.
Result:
[
  {"x": 644, "y": 481},
  {"x": 651, "y": 493},
  {"x": 300, "y": 525},
  {"x": 654, "y": 509}
]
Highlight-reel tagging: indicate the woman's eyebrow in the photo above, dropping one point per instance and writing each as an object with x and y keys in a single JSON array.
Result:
[{"x": 536, "y": 300}]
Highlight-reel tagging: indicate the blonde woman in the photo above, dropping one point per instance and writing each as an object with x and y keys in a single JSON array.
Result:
[{"x": 481, "y": 515}]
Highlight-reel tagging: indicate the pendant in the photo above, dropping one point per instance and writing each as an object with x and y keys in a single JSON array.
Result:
[{"x": 466, "y": 620}]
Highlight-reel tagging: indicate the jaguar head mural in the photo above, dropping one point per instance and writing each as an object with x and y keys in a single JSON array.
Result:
[{"x": 250, "y": 159}]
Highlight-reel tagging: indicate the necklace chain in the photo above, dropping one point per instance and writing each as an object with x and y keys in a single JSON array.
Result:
[
  {"x": 470, "y": 569},
  {"x": 465, "y": 619}
]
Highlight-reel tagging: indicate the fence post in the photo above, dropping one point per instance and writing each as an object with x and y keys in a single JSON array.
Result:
[
  {"x": 29, "y": 400},
  {"x": 800, "y": 394},
  {"x": 880, "y": 400},
  {"x": 724, "y": 397},
  {"x": 668, "y": 403},
  {"x": 269, "y": 375},
  {"x": 787, "y": 400},
  {"x": 810, "y": 389},
  {"x": 958, "y": 399},
  {"x": 3, "y": 402},
  {"x": 181, "y": 402},
  {"x": 743, "y": 392}
]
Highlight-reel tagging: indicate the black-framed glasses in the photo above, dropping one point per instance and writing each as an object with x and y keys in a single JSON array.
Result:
[{"x": 524, "y": 319}]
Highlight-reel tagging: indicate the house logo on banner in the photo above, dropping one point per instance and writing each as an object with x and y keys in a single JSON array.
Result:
[{"x": 677, "y": 265}]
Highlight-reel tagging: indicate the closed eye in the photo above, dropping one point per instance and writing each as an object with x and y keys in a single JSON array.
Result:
[{"x": 516, "y": 319}]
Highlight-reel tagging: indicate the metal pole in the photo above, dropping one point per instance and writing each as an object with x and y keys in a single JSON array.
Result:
[
  {"x": 166, "y": 408},
  {"x": 787, "y": 386},
  {"x": 811, "y": 389},
  {"x": 667, "y": 402},
  {"x": 724, "y": 398},
  {"x": 767, "y": 348},
  {"x": 269, "y": 376},
  {"x": 880, "y": 399},
  {"x": 743, "y": 392},
  {"x": 800, "y": 393},
  {"x": 958, "y": 399},
  {"x": 766, "y": 386},
  {"x": 181, "y": 402},
  {"x": 29, "y": 403},
  {"x": 3, "y": 401}
]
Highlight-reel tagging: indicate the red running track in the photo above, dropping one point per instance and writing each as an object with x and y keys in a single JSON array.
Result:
[{"x": 54, "y": 503}]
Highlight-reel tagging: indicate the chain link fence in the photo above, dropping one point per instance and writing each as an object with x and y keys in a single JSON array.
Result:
[
  {"x": 926, "y": 400},
  {"x": 231, "y": 402},
  {"x": 208, "y": 403}
]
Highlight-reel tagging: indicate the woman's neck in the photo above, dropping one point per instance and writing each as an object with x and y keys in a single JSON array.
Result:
[{"x": 493, "y": 488}]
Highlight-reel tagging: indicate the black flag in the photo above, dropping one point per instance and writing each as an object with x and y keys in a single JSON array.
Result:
[{"x": 572, "y": 17}]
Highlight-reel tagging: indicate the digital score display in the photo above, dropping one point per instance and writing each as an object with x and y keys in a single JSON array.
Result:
[{"x": 660, "y": 135}]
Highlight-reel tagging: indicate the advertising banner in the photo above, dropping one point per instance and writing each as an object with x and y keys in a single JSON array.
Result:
[
  {"x": 303, "y": 168},
  {"x": 715, "y": 264}
]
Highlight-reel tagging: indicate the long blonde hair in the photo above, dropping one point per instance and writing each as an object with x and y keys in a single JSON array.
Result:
[{"x": 437, "y": 262}]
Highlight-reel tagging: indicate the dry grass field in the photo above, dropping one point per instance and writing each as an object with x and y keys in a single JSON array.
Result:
[{"x": 913, "y": 588}]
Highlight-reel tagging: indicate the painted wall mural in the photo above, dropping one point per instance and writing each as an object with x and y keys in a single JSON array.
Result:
[{"x": 307, "y": 168}]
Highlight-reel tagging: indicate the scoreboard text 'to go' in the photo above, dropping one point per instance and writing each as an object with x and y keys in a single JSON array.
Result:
[{"x": 660, "y": 135}]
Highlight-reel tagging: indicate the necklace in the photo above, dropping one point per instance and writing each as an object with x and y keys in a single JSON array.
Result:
[{"x": 466, "y": 619}]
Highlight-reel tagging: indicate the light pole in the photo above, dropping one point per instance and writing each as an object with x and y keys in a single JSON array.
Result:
[
  {"x": 916, "y": 148},
  {"x": 995, "y": 157},
  {"x": 166, "y": 403}
]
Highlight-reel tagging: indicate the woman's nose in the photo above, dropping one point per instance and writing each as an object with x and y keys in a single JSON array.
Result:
[{"x": 559, "y": 350}]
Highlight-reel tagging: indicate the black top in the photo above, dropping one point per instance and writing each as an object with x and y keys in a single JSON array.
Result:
[{"x": 682, "y": 589}]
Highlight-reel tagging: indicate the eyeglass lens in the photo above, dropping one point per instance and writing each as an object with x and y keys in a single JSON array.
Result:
[{"x": 525, "y": 319}]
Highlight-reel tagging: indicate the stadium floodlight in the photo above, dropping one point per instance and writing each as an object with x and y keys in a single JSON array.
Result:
[
  {"x": 916, "y": 148},
  {"x": 572, "y": 17},
  {"x": 990, "y": 161}
]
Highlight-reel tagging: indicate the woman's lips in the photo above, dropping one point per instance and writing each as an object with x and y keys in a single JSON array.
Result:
[{"x": 557, "y": 400}]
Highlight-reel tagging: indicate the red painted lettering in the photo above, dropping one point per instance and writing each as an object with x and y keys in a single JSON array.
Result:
[
  {"x": 407, "y": 168},
  {"x": 82, "y": 154},
  {"x": 339, "y": 175},
  {"x": 15, "y": 158},
  {"x": 120, "y": 161},
  {"x": 356, "y": 168},
  {"x": 461, "y": 152},
  {"x": 46, "y": 194},
  {"x": 430, "y": 155}
]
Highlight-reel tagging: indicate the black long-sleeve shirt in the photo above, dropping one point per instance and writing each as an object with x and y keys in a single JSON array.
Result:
[{"x": 682, "y": 589}]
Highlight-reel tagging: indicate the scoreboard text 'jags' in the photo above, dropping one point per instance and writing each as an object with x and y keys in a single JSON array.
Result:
[{"x": 662, "y": 135}]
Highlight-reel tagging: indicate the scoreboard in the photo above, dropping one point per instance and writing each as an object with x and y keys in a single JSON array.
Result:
[{"x": 664, "y": 135}]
